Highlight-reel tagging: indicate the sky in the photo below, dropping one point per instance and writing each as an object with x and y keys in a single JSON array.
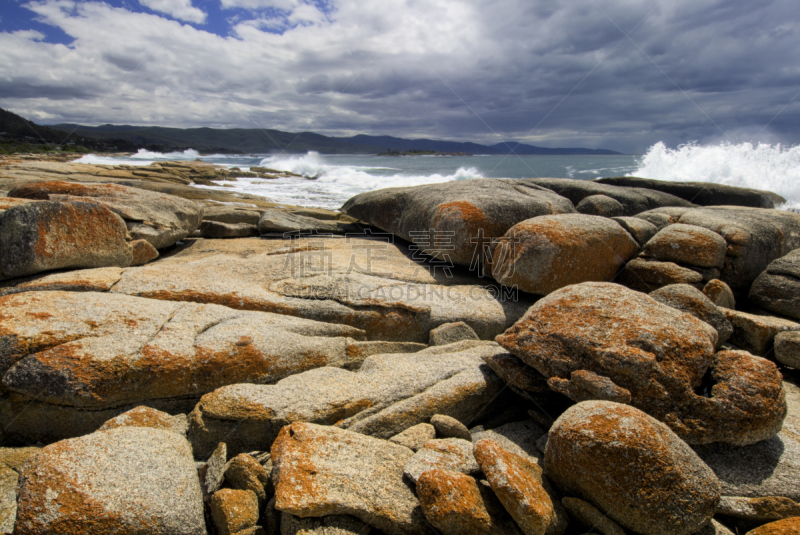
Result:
[{"x": 616, "y": 74}]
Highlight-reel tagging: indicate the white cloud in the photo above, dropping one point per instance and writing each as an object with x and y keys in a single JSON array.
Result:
[
  {"x": 178, "y": 9},
  {"x": 416, "y": 68},
  {"x": 286, "y": 5}
]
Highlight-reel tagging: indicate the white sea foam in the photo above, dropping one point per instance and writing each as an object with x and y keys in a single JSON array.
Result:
[{"x": 769, "y": 167}]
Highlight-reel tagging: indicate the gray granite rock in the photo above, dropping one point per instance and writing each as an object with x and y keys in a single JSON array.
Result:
[
  {"x": 450, "y": 333},
  {"x": 755, "y": 332},
  {"x": 520, "y": 438},
  {"x": 687, "y": 244},
  {"x": 219, "y": 230},
  {"x": 234, "y": 511},
  {"x": 275, "y": 221},
  {"x": 588, "y": 515},
  {"x": 452, "y": 454},
  {"x": 9, "y": 479},
  {"x": 601, "y": 205},
  {"x": 692, "y": 301},
  {"x": 214, "y": 470},
  {"x": 787, "y": 348},
  {"x": 720, "y": 294},
  {"x": 244, "y": 472},
  {"x": 125, "y": 480},
  {"x": 632, "y": 467},
  {"x": 449, "y": 427},
  {"x": 415, "y": 436},
  {"x": 321, "y": 471},
  {"x": 326, "y": 525},
  {"x": 640, "y": 229},
  {"x": 777, "y": 288}
]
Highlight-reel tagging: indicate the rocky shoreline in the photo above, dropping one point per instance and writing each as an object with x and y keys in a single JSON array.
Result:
[{"x": 540, "y": 356}]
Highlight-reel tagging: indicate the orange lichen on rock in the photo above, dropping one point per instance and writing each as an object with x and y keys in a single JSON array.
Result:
[{"x": 452, "y": 503}]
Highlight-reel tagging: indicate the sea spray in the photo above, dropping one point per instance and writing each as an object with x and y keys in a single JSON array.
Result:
[{"x": 769, "y": 167}]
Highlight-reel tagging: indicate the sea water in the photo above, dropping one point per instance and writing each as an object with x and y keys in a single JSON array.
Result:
[{"x": 329, "y": 180}]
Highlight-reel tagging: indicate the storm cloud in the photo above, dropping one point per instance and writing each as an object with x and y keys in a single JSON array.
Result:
[{"x": 618, "y": 74}]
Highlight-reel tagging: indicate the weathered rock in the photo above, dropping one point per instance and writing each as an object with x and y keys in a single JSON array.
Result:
[
  {"x": 84, "y": 280},
  {"x": 449, "y": 427},
  {"x": 631, "y": 466},
  {"x": 640, "y": 229},
  {"x": 702, "y": 193},
  {"x": 766, "y": 509},
  {"x": 213, "y": 473},
  {"x": 453, "y": 454},
  {"x": 366, "y": 283},
  {"x": 588, "y": 515},
  {"x": 687, "y": 244},
  {"x": 756, "y": 333},
  {"x": 634, "y": 200},
  {"x": 450, "y": 333},
  {"x": 452, "y": 503},
  {"x": 275, "y": 221},
  {"x": 142, "y": 252},
  {"x": 635, "y": 342},
  {"x": 219, "y": 230},
  {"x": 44, "y": 236},
  {"x": 521, "y": 378},
  {"x": 159, "y": 218},
  {"x": 519, "y": 485},
  {"x": 781, "y": 527},
  {"x": 243, "y": 472},
  {"x": 9, "y": 480},
  {"x": 464, "y": 213},
  {"x": 720, "y": 294},
  {"x": 601, "y": 205},
  {"x": 777, "y": 288},
  {"x": 415, "y": 436},
  {"x": 646, "y": 275},
  {"x": 125, "y": 480},
  {"x": 321, "y": 471},
  {"x": 147, "y": 417},
  {"x": 232, "y": 214},
  {"x": 15, "y": 458},
  {"x": 234, "y": 510},
  {"x": 389, "y": 394},
  {"x": 543, "y": 254},
  {"x": 787, "y": 348},
  {"x": 692, "y": 301},
  {"x": 767, "y": 468},
  {"x": 519, "y": 438},
  {"x": 755, "y": 237},
  {"x": 97, "y": 350},
  {"x": 327, "y": 525}
]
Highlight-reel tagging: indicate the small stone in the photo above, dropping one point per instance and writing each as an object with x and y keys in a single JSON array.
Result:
[
  {"x": 520, "y": 438},
  {"x": 215, "y": 469},
  {"x": 142, "y": 252},
  {"x": 449, "y": 427},
  {"x": 764, "y": 509},
  {"x": 787, "y": 348},
  {"x": 589, "y": 515},
  {"x": 243, "y": 472},
  {"x": 452, "y": 503},
  {"x": 415, "y": 436},
  {"x": 449, "y": 333},
  {"x": 720, "y": 294},
  {"x": 234, "y": 510},
  {"x": 755, "y": 333},
  {"x": 453, "y": 454}
]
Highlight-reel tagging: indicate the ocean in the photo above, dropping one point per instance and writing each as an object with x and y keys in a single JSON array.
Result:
[{"x": 332, "y": 179}]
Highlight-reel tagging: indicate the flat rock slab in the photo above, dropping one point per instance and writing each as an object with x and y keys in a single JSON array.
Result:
[
  {"x": 366, "y": 283},
  {"x": 159, "y": 218},
  {"x": 126, "y": 480},
  {"x": 756, "y": 333},
  {"x": 321, "y": 471},
  {"x": 389, "y": 394},
  {"x": 98, "y": 350},
  {"x": 604, "y": 341}
]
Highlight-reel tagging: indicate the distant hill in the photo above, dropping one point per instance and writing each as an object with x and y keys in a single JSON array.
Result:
[{"x": 15, "y": 130}]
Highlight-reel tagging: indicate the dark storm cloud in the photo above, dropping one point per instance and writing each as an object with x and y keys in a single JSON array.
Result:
[{"x": 621, "y": 74}]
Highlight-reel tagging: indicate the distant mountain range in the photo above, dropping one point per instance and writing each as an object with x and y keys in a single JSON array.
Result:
[{"x": 126, "y": 138}]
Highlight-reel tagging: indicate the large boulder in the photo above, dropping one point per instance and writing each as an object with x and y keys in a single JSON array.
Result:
[
  {"x": 632, "y": 467},
  {"x": 126, "y": 480},
  {"x": 449, "y": 221},
  {"x": 778, "y": 287},
  {"x": 692, "y": 301},
  {"x": 43, "y": 236},
  {"x": 603, "y": 341},
  {"x": 543, "y": 254},
  {"x": 687, "y": 244},
  {"x": 320, "y": 471},
  {"x": 159, "y": 218},
  {"x": 633, "y": 200},
  {"x": 755, "y": 236},
  {"x": 452, "y": 503},
  {"x": 389, "y": 394},
  {"x": 702, "y": 193}
]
